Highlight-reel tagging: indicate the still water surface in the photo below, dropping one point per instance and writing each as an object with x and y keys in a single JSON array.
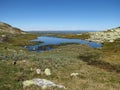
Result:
[{"x": 56, "y": 41}]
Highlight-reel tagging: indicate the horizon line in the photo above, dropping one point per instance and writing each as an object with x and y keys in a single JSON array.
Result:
[{"x": 63, "y": 30}]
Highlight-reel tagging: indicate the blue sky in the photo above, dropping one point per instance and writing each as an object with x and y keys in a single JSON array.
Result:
[{"x": 61, "y": 14}]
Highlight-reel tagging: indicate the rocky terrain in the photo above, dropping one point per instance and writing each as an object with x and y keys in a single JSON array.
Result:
[
  {"x": 7, "y": 30},
  {"x": 71, "y": 67},
  {"x": 105, "y": 36}
]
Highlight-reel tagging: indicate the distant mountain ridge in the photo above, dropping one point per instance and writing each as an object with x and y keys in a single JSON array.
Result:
[{"x": 6, "y": 28}]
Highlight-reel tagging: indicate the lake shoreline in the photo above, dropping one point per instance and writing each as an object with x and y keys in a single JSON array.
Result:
[{"x": 52, "y": 42}]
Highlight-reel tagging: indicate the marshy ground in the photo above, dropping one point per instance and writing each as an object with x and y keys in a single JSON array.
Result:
[{"x": 99, "y": 69}]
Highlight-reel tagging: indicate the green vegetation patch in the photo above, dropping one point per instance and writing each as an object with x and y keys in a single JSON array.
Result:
[
  {"x": 17, "y": 65},
  {"x": 22, "y": 40},
  {"x": 95, "y": 58},
  {"x": 79, "y": 36},
  {"x": 112, "y": 46},
  {"x": 62, "y": 61}
]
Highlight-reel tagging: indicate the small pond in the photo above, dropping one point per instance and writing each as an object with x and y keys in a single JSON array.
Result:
[{"x": 47, "y": 41}]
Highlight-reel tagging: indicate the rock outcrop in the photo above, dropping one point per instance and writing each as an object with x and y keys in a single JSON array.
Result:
[{"x": 105, "y": 36}]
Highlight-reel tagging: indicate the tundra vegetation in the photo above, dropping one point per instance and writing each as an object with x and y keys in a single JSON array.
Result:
[{"x": 97, "y": 69}]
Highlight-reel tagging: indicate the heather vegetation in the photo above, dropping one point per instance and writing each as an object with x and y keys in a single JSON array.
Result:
[
  {"x": 75, "y": 66},
  {"x": 62, "y": 61}
]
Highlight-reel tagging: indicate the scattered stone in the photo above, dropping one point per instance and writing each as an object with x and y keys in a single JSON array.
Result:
[
  {"x": 47, "y": 72},
  {"x": 74, "y": 74},
  {"x": 43, "y": 83},
  {"x": 24, "y": 61},
  {"x": 31, "y": 69},
  {"x": 14, "y": 51},
  {"x": 38, "y": 71},
  {"x": 3, "y": 36},
  {"x": 25, "y": 46},
  {"x": 21, "y": 50},
  {"x": 34, "y": 49},
  {"x": 111, "y": 41},
  {"x": 27, "y": 83}
]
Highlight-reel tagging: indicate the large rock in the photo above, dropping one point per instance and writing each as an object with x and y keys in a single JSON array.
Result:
[{"x": 42, "y": 83}]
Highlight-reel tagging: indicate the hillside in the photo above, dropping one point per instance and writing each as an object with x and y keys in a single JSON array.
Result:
[
  {"x": 105, "y": 36},
  {"x": 6, "y": 31},
  {"x": 98, "y": 36},
  {"x": 6, "y": 28}
]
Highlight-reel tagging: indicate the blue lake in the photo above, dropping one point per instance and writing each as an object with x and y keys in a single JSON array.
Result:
[{"x": 56, "y": 41}]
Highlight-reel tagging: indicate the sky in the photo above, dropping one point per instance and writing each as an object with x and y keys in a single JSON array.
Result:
[{"x": 61, "y": 14}]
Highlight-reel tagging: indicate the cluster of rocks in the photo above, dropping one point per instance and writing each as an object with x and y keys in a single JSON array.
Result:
[
  {"x": 105, "y": 36},
  {"x": 43, "y": 83},
  {"x": 47, "y": 71},
  {"x": 3, "y": 38}
]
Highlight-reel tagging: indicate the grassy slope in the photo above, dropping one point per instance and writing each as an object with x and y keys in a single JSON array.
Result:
[
  {"x": 111, "y": 54},
  {"x": 109, "y": 59},
  {"x": 63, "y": 61}
]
